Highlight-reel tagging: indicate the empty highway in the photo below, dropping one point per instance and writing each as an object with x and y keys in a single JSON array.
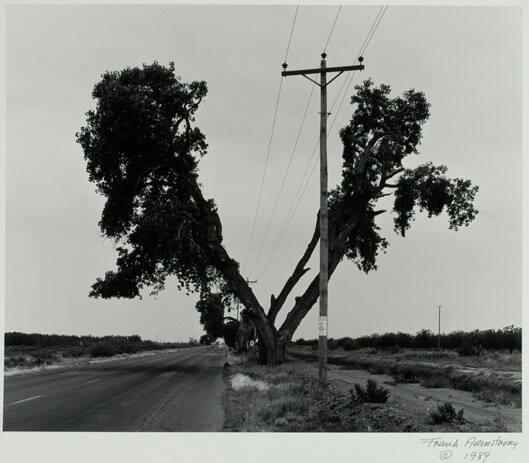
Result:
[{"x": 167, "y": 391}]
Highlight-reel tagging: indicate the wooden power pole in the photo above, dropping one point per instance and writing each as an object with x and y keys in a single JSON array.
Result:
[
  {"x": 439, "y": 330},
  {"x": 324, "y": 218}
]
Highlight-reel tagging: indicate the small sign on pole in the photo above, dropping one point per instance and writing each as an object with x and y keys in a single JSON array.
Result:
[{"x": 322, "y": 326}]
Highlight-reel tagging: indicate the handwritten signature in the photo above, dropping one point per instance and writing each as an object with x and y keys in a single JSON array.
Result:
[{"x": 471, "y": 449}]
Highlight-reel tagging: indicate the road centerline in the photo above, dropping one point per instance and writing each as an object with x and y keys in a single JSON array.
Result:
[{"x": 25, "y": 400}]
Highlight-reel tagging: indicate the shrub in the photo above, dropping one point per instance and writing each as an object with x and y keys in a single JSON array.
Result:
[
  {"x": 103, "y": 349},
  {"x": 332, "y": 344},
  {"x": 372, "y": 393},
  {"x": 348, "y": 344},
  {"x": 469, "y": 350},
  {"x": 446, "y": 413}
]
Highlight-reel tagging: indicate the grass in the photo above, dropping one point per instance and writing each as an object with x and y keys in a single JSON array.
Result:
[
  {"x": 411, "y": 367},
  {"x": 32, "y": 356},
  {"x": 294, "y": 402},
  {"x": 25, "y": 357}
]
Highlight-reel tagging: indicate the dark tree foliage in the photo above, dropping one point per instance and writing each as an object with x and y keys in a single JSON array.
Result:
[
  {"x": 381, "y": 133},
  {"x": 508, "y": 338},
  {"x": 206, "y": 339},
  {"x": 427, "y": 188},
  {"x": 229, "y": 333},
  {"x": 96, "y": 345},
  {"x": 211, "y": 311},
  {"x": 142, "y": 149},
  {"x": 236, "y": 332}
]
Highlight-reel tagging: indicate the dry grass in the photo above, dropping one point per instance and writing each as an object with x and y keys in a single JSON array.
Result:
[
  {"x": 293, "y": 402},
  {"x": 443, "y": 372}
]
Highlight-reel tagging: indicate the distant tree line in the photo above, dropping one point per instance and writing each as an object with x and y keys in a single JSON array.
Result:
[
  {"x": 467, "y": 342},
  {"x": 96, "y": 346}
]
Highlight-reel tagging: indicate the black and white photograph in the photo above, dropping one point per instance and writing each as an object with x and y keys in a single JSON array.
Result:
[{"x": 265, "y": 218}]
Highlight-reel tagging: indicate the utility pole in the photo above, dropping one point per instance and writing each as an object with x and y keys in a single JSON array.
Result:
[
  {"x": 439, "y": 331},
  {"x": 324, "y": 219}
]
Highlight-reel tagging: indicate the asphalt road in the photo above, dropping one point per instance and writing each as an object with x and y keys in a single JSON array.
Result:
[{"x": 168, "y": 391}]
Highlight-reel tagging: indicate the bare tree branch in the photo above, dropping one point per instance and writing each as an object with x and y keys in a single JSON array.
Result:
[{"x": 299, "y": 271}]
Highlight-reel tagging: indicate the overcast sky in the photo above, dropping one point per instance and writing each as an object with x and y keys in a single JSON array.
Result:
[{"x": 467, "y": 60}]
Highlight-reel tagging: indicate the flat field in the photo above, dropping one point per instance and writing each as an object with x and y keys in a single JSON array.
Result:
[{"x": 487, "y": 388}]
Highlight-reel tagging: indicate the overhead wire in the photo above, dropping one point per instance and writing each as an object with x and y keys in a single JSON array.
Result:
[
  {"x": 302, "y": 186},
  {"x": 332, "y": 29},
  {"x": 291, "y": 33},
  {"x": 347, "y": 81},
  {"x": 285, "y": 176},
  {"x": 269, "y": 148},
  {"x": 267, "y": 231},
  {"x": 268, "y": 227}
]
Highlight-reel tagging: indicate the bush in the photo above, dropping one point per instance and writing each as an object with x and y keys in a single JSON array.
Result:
[
  {"x": 103, "y": 349},
  {"x": 509, "y": 338},
  {"x": 332, "y": 344},
  {"x": 348, "y": 344},
  {"x": 372, "y": 393},
  {"x": 206, "y": 339},
  {"x": 446, "y": 413},
  {"x": 469, "y": 350}
]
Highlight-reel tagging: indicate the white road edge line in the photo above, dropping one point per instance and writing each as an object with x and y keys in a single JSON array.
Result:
[
  {"x": 25, "y": 400},
  {"x": 93, "y": 381}
]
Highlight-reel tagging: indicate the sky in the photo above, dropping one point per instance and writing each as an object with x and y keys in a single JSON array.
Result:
[{"x": 467, "y": 60}]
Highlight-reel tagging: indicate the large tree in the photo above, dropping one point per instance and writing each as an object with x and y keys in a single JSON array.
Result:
[{"x": 142, "y": 148}]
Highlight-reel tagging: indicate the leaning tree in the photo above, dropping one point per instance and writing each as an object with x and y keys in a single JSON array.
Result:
[{"x": 142, "y": 147}]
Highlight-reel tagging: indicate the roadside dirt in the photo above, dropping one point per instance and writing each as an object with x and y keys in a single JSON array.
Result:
[{"x": 411, "y": 402}]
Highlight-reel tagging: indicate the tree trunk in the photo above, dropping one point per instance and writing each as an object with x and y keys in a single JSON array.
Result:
[{"x": 271, "y": 351}]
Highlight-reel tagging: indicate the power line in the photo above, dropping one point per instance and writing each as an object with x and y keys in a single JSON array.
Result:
[
  {"x": 349, "y": 81},
  {"x": 267, "y": 231},
  {"x": 260, "y": 195},
  {"x": 370, "y": 31},
  {"x": 385, "y": 8},
  {"x": 332, "y": 29},
  {"x": 291, "y": 33},
  {"x": 285, "y": 175},
  {"x": 362, "y": 50},
  {"x": 302, "y": 187},
  {"x": 360, "y": 53}
]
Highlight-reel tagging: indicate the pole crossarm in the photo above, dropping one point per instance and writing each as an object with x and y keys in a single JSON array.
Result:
[
  {"x": 335, "y": 77},
  {"x": 312, "y": 80},
  {"x": 356, "y": 67}
]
